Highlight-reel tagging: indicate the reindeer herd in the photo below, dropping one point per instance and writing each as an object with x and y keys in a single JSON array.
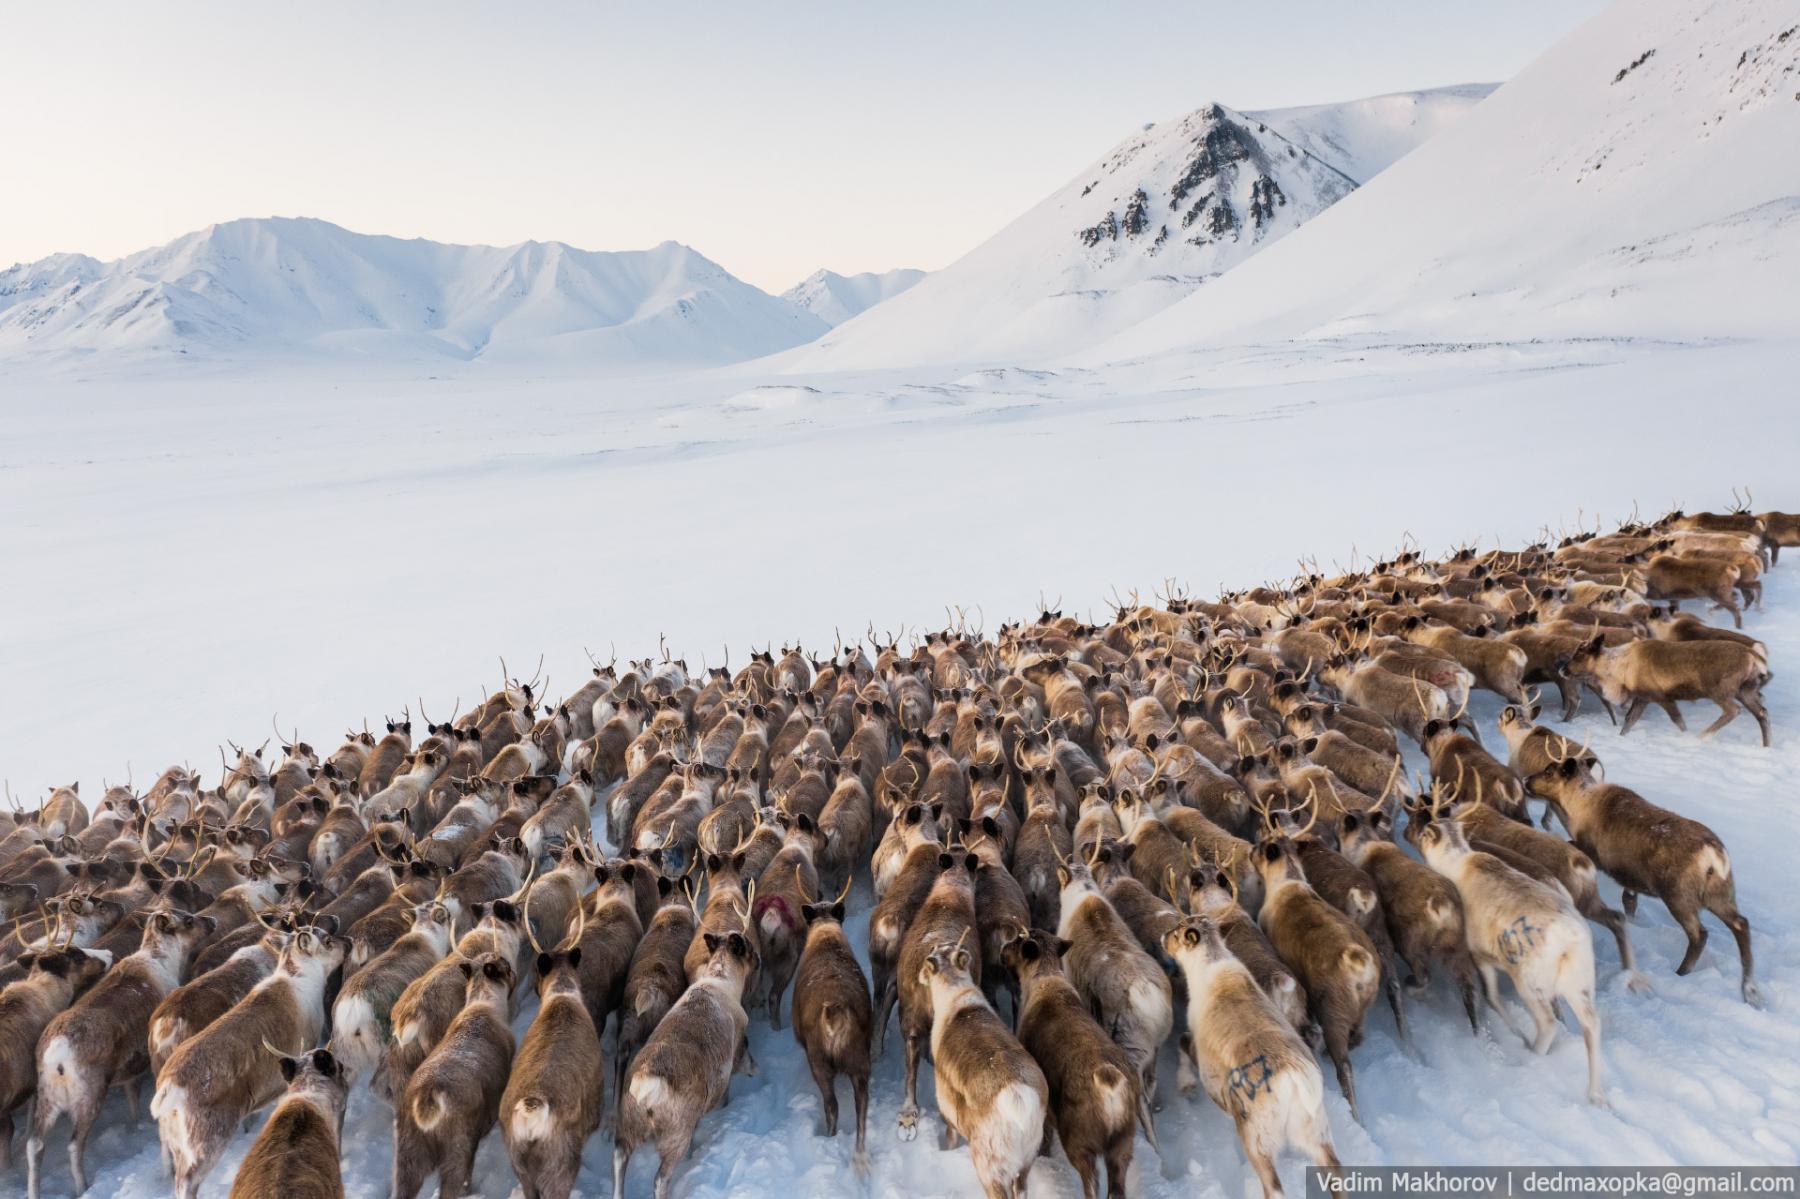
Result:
[{"x": 1191, "y": 823}]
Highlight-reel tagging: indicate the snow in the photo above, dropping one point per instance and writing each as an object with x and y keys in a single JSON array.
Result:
[
  {"x": 1037, "y": 289},
  {"x": 835, "y": 298},
  {"x": 287, "y": 288},
  {"x": 1570, "y": 202},
  {"x": 218, "y": 551}
]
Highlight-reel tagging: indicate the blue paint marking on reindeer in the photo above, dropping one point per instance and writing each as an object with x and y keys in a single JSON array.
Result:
[
  {"x": 1518, "y": 939},
  {"x": 1251, "y": 1078}
]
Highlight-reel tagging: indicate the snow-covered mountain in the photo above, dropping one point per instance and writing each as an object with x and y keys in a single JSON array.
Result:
[
  {"x": 835, "y": 298},
  {"x": 1641, "y": 178},
  {"x": 298, "y": 286},
  {"x": 1172, "y": 206}
]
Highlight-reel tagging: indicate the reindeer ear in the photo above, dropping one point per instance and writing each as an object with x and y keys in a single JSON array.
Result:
[
  {"x": 467, "y": 968},
  {"x": 289, "y": 1068},
  {"x": 1030, "y": 950}
]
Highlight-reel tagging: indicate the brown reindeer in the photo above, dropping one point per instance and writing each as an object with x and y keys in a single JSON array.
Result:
[
  {"x": 53, "y": 979},
  {"x": 1652, "y": 850},
  {"x": 1331, "y": 955},
  {"x": 103, "y": 1039},
  {"x": 658, "y": 973},
  {"x": 554, "y": 1099},
  {"x": 296, "y": 1154},
  {"x": 1096, "y": 1096},
  {"x": 222, "y": 1073},
  {"x": 453, "y": 1098},
  {"x": 684, "y": 1070},
  {"x": 1665, "y": 673},
  {"x": 833, "y": 1014},
  {"x": 989, "y": 1090}
]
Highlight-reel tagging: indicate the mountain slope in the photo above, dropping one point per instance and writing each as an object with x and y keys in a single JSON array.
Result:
[
  {"x": 1168, "y": 208},
  {"x": 835, "y": 298},
  {"x": 287, "y": 286},
  {"x": 1639, "y": 179}
]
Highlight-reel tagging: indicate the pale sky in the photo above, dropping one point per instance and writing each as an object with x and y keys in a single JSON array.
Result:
[{"x": 772, "y": 137}]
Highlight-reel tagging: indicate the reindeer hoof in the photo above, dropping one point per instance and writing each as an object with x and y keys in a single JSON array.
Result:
[
  {"x": 1753, "y": 995},
  {"x": 1638, "y": 984},
  {"x": 909, "y": 1124}
]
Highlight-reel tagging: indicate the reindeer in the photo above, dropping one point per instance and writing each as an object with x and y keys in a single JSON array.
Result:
[
  {"x": 658, "y": 973},
  {"x": 453, "y": 1098},
  {"x": 1254, "y": 1065},
  {"x": 1125, "y": 986},
  {"x": 1530, "y": 930},
  {"x": 102, "y": 1039},
  {"x": 553, "y": 1100},
  {"x": 683, "y": 1071},
  {"x": 833, "y": 1015},
  {"x": 360, "y": 1018},
  {"x": 53, "y": 978},
  {"x": 1421, "y": 908},
  {"x": 1666, "y": 672},
  {"x": 1096, "y": 1095},
  {"x": 1329, "y": 953},
  {"x": 384, "y": 758},
  {"x": 990, "y": 1091},
  {"x": 430, "y": 1004},
  {"x": 946, "y": 913},
  {"x": 1651, "y": 850},
  {"x": 222, "y": 1073},
  {"x": 296, "y": 1155}
]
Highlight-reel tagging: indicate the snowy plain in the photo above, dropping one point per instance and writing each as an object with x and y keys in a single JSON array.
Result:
[{"x": 221, "y": 551}]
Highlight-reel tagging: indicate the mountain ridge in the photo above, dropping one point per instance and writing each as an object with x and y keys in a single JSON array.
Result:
[{"x": 301, "y": 285}]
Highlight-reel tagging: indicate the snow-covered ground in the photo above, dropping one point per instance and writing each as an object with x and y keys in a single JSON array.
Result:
[{"x": 190, "y": 558}]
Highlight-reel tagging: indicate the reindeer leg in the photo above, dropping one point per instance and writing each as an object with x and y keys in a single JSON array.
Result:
[
  {"x": 1490, "y": 985},
  {"x": 621, "y": 1159},
  {"x": 1669, "y": 706},
  {"x": 674, "y": 1151},
  {"x": 1589, "y": 1019},
  {"x": 83, "y": 1119},
  {"x": 1696, "y": 934},
  {"x": 884, "y": 1009},
  {"x": 1628, "y": 900},
  {"x": 1392, "y": 986},
  {"x": 1543, "y": 1015},
  {"x": 1461, "y": 968},
  {"x": 826, "y": 1080},
  {"x": 1750, "y": 699},
  {"x": 1571, "y": 697},
  {"x": 860, "y": 1085},
  {"x": 1728, "y": 712},
  {"x": 1262, "y": 1163},
  {"x": 1338, "y": 1047},
  {"x": 1605, "y": 704},
  {"x": 909, "y": 1111},
  {"x": 1632, "y": 712},
  {"x": 1740, "y": 929},
  {"x": 1187, "y": 1078}
]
